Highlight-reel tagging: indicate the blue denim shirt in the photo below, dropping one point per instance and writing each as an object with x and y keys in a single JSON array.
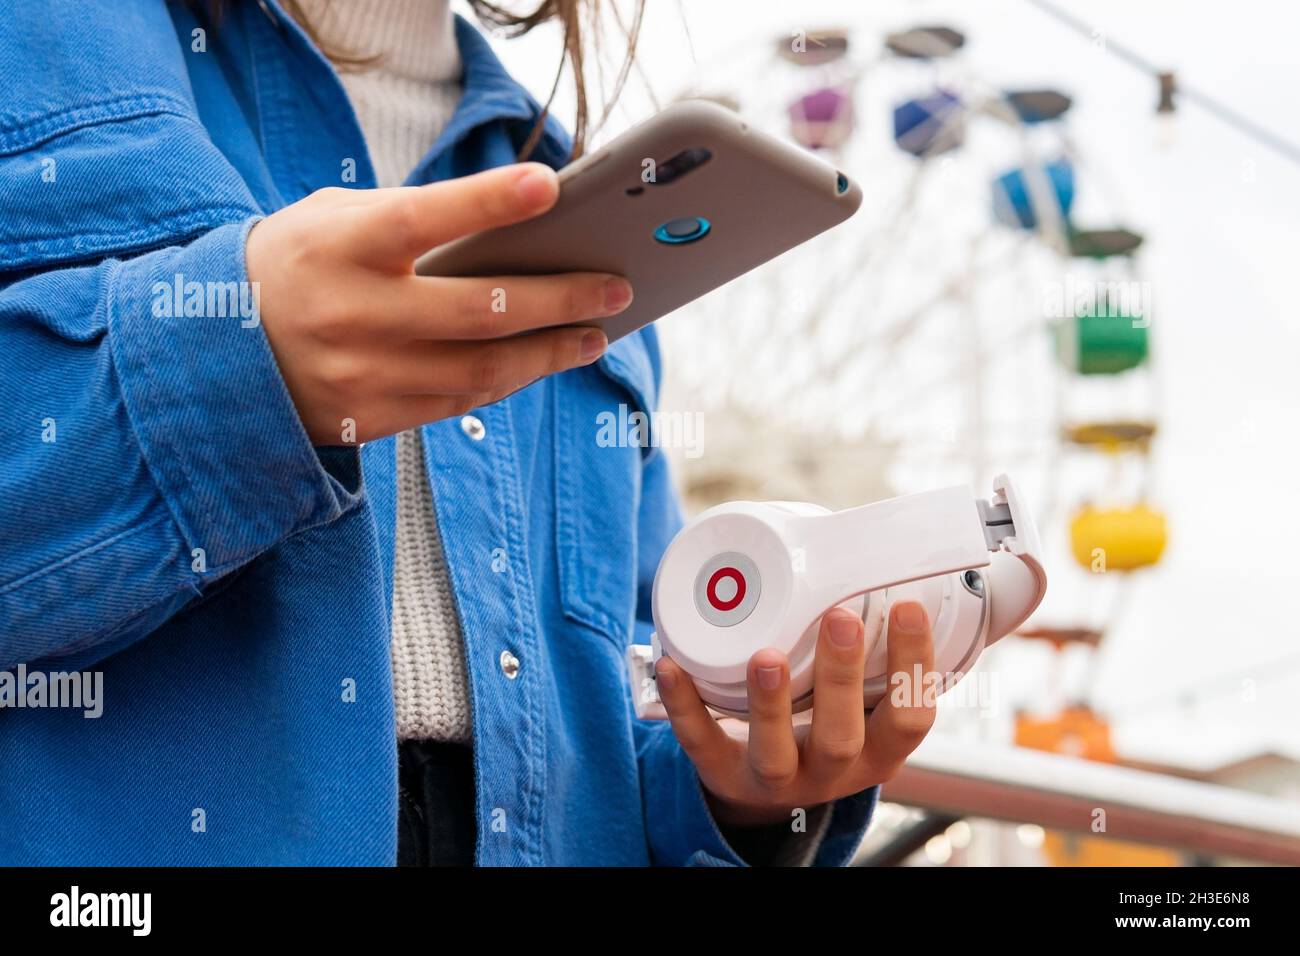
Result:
[{"x": 164, "y": 519}]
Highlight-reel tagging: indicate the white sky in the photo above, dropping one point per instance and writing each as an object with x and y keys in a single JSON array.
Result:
[{"x": 1222, "y": 216}]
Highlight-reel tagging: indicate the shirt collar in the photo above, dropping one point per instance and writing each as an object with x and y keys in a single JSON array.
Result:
[{"x": 491, "y": 94}]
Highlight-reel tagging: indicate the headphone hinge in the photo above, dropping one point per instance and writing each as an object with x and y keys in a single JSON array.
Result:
[{"x": 997, "y": 522}]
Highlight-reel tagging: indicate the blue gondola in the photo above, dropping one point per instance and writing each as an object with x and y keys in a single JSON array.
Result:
[
  {"x": 929, "y": 125},
  {"x": 1011, "y": 203}
]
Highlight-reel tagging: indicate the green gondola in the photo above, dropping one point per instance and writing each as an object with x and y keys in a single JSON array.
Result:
[{"x": 1102, "y": 340}]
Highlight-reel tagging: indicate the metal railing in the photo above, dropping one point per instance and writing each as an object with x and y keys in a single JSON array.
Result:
[{"x": 956, "y": 776}]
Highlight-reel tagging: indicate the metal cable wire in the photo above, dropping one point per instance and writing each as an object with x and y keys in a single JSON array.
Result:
[{"x": 1222, "y": 111}]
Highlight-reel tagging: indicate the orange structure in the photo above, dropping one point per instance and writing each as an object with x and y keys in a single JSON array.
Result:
[{"x": 1078, "y": 731}]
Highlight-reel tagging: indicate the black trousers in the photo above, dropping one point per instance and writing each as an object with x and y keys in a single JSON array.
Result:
[{"x": 435, "y": 804}]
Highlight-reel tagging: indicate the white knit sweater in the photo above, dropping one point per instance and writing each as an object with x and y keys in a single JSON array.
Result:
[{"x": 402, "y": 100}]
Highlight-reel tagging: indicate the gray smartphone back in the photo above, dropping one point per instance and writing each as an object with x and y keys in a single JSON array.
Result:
[{"x": 625, "y": 209}]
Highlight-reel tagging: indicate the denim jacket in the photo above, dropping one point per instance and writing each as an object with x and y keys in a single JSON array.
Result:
[{"x": 166, "y": 523}]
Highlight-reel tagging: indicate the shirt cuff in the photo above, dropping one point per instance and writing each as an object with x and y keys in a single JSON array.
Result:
[
  {"x": 683, "y": 831},
  {"x": 792, "y": 842},
  {"x": 850, "y": 818},
  {"x": 212, "y": 414}
]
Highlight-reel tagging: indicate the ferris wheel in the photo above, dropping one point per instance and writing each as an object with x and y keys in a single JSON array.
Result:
[{"x": 969, "y": 320}]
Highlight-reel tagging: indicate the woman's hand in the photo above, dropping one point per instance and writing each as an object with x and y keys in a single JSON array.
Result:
[
  {"x": 360, "y": 338},
  {"x": 762, "y": 781}
]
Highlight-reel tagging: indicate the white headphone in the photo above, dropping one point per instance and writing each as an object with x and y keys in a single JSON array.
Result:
[{"x": 747, "y": 575}]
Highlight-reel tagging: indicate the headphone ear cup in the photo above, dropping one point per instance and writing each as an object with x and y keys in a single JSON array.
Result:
[
  {"x": 1014, "y": 594},
  {"x": 802, "y": 667},
  {"x": 873, "y": 623},
  {"x": 930, "y": 592},
  {"x": 956, "y": 620}
]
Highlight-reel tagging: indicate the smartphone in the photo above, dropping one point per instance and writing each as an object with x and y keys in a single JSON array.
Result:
[{"x": 680, "y": 204}]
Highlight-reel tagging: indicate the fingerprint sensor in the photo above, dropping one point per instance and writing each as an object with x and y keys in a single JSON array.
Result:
[{"x": 675, "y": 232}]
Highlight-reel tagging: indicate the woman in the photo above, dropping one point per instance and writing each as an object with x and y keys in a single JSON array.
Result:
[{"x": 299, "y": 666}]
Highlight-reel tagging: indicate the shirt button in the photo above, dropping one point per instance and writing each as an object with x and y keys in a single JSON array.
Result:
[
  {"x": 472, "y": 427},
  {"x": 509, "y": 665}
]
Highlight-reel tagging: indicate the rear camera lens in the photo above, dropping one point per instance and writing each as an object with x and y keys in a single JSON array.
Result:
[{"x": 676, "y": 166}]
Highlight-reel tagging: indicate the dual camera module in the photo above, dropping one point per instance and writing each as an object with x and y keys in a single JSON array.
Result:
[
  {"x": 686, "y": 229},
  {"x": 683, "y": 229}
]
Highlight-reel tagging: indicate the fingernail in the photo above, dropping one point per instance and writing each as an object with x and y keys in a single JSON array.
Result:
[
  {"x": 769, "y": 678},
  {"x": 844, "y": 632},
  {"x": 592, "y": 346},
  {"x": 618, "y": 293},
  {"x": 665, "y": 676},
  {"x": 534, "y": 185},
  {"x": 909, "y": 617}
]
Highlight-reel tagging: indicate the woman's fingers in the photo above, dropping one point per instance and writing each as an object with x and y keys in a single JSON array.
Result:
[
  {"x": 845, "y": 752},
  {"x": 367, "y": 348},
  {"x": 435, "y": 307},
  {"x": 489, "y": 368},
  {"x": 399, "y": 225},
  {"x": 773, "y": 753},
  {"x": 906, "y": 713},
  {"x": 707, "y": 744},
  {"x": 838, "y": 724},
  {"x": 383, "y": 390}
]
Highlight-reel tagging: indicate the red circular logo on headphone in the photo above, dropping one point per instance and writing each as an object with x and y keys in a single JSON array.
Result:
[
  {"x": 727, "y": 588},
  {"x": 720, "y": 575}
]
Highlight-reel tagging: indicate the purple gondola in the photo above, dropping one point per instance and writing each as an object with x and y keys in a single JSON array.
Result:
[{"x": 823, "y": 119}]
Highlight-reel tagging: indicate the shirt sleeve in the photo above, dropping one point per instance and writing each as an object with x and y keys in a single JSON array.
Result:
[{"x": 155, "y": 447}]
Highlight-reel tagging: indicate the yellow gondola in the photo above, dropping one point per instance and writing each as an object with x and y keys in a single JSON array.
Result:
[{"x": 1118, "y": 539}]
